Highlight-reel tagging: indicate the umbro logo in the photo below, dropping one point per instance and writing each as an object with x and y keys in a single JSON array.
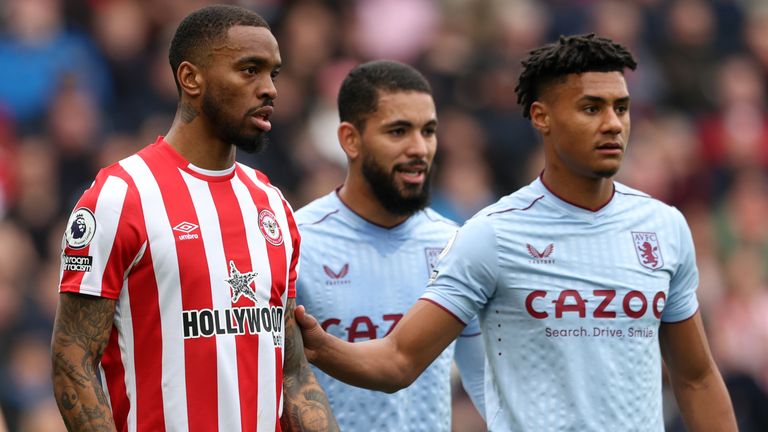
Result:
[
  {"x": 187, "y": 229},
  {"x": 336, "y": 278},
  {"x": 543, "y": 256}
]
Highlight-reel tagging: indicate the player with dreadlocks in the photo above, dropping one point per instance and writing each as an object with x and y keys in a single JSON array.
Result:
[{"x": 581, "y": 284}]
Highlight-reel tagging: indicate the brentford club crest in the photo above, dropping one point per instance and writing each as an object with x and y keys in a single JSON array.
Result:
[
  {"x": 270, "y": 228},
  {"x": 648, "y": 250}
]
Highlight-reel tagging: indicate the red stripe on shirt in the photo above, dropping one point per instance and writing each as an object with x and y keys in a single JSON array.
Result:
[
  {"x": 114, "y": 373},
  {"x": 199, "y": 353},
  {"x": 147, "y": 344},
  {"x": 278, "y": 266},
  {"x": 236, "y": 250}
]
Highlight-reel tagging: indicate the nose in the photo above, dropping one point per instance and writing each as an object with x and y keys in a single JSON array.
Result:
[
  {"x": 420, "y": 146},
  {"x": 267, "y": 89},
  {"x": 612, "y": 122}
]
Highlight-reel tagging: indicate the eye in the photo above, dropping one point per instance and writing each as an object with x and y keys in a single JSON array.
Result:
[
  {"x": 622, "y": 109},
  {"x": 274, "y": 74},
  {"x": 251, "y": 70},
  {"x": 591, "y": 109},
  {"x": 429, "y": 131},
  {"x": 397, "y": 132}
]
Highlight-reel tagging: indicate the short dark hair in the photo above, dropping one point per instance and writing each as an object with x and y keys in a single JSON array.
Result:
[
  {"x": 199, "y": 30},
  {"x": 569, "y": 55},
  {"x": 359, "y": 93}
]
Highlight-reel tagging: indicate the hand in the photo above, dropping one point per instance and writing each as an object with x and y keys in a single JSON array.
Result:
[{"x": 312, "y": 334}]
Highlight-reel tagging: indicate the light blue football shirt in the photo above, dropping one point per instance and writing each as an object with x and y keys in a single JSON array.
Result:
[
  {"x": 570, "y": 302},
  {"x": 358, "y": 279}
]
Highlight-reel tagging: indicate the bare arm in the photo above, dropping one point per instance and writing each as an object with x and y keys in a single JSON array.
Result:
[
  {"x": 3, "y": 427},
  {"x": 387, "y": 364},
  {"x": 80, "y": 334},
  {"x": 305, "y": 407},
  {"x": 697, "y": 384}
]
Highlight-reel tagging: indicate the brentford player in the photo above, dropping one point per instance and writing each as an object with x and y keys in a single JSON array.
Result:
[
  {"x": 582, "y": 285},
  {"x": 179, "y": 265},
  {"x": 370, "y": 246}
]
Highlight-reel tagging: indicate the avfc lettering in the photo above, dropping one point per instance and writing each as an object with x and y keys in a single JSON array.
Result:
[{"x": 236, "y": 321}]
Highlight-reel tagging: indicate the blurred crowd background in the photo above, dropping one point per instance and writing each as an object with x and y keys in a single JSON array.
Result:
[{"x": 84, "y": 83}]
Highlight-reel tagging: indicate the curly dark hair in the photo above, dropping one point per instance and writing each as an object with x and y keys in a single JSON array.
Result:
[
  {"x": 199, "y": 30},
  {"x": 359, "y": 93},
  {"x": 569, "y": 55}
]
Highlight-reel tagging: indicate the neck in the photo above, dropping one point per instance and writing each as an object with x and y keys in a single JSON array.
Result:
[
  {"x": 587, "y": 192},
  {"x": 195, "y": 143},
  {"x": 356, "y": 194}
]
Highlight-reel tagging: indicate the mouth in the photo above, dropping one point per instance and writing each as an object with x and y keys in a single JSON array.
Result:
[
  {"x": 260, "y": 117},
  {"x": 412, "y": 173},
  {"x": 610, "y": 148}
]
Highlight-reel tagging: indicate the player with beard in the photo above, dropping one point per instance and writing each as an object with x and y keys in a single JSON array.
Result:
[
  {"x": 370, "y": 245},
  {"x": 582, "y": 284},
  {"x": 178, "y": 291}
]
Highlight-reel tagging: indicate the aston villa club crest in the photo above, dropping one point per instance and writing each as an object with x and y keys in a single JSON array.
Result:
[
  {"x": 80, "y": 228},
  {"x": 433, "y": 256},
  {"x": 648, "y": 250},
  {"x": 270, "y": 228}
]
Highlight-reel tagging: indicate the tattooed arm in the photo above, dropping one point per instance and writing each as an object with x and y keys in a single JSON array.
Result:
[
  {"x": 305, "y": 405},
  {"x": 80, "y": 334}
]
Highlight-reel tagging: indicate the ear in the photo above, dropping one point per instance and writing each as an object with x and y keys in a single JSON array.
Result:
[
  {"x": 190, "y": 79},
  {"x": 540, "y": 117},
  {"x": 349, "y": 139}
]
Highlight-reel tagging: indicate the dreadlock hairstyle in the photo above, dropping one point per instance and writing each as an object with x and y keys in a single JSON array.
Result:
[{"x": 570, "y": 55}]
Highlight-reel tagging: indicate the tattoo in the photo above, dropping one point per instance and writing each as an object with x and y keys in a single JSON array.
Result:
[
  {"x": 188, "y": 112},
  {"x": 68, "y": 398},
  {"x": 80, "y": 334},
  {"x": 305, "y": 404}
]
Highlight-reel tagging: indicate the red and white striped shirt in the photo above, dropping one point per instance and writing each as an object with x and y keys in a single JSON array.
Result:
[{"x": 201, "y": 264}]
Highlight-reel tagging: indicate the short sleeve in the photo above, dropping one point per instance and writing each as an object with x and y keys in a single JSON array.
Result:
[
  {"x": 102, "y": 239},
  {"x": 466, "y": 273},
  {"x": 681, "y": 301}
]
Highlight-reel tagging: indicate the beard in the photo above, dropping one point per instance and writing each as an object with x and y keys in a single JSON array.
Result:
[
  {"x": 607, "y": 173},
  {"x": 230, "y": 130},
  {"x": 403, "y": 201}
]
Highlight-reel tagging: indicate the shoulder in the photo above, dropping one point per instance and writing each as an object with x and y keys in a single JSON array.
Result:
[
  {"x": 112, "y": 185},
  {"x": 440, "y": 222},
  {"x": 318, "y": 212},
  {"x": 256, "y": 176},
  {"x": 429, "y": 226},
  {"x": 260, "y": 180},
  {"x": 523, "y": 201},
  {"x": 640, "y": 201}
]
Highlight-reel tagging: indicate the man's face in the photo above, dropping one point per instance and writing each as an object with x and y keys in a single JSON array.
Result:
[
  {"x": 588, "y": 124},
  {"x": 240, "y": 90},
  {"x": 397, "y": 149}
]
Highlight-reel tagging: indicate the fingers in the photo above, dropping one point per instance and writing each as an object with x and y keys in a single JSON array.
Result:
[{"x": 305, "y": 320}]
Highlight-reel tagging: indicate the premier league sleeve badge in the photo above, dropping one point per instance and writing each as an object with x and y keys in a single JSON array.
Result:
[{"x": 81, "y": 228}]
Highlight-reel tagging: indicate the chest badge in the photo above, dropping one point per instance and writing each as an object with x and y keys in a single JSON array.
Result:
[
  {"x": 270, "y": 228},
  {"x": 648, "y": 250}
]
